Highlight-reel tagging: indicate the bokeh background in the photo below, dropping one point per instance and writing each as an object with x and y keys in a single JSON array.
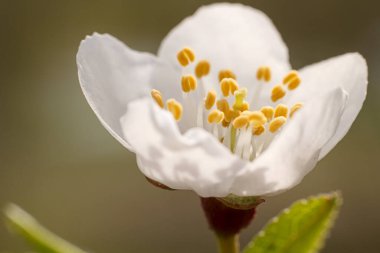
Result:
[{"x": 58, "y": 162}]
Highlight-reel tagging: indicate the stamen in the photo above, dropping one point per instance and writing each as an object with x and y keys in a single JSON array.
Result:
[
  {"x": 268, "y": 112},
  {"x": 295, "y": 108},
  {"x": 185, "y": 56},
  {"x": 202, "y": 68},
  {"x": 258, "y": 129},
  {"x": 228, "y": 85},
  {"x": 225, "y": 123},
  {"x": 255, "y": 117},
  {"x": 263, "y": 73},
  {"x": 226, "y": 73},
  {"x": 222, "y": 105},
  {"x": 225, "y": 86},
  {"x": 240, "y": 122},
  {"x": 294, "y": 83},
  {"x": 234, "y": 126},
  {"x": 156, "y": 95},
  {"x": 231, "y": 115},
  {"x": 276, "y": 123},
  {"x": 292, "y": 80},
  {"x": 175, "y": 108},
  {"x": 281, "y": 110},
  {"x": 278, "y": 92},
  {"x": 188, "y": 83},
  {"x": 240, "y": 104},
  {"x": 215, "y": 117},
  {"x": 210, "y": 99},
  {"x": 268, "y": 74},
  {"x": 233, "y": 86},
  {"x": 292, "y": 74},
  {"x": 260, "y": 73}
]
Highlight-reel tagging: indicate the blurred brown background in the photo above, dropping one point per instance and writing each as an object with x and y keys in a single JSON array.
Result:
[{"x": 58, "y": 162}]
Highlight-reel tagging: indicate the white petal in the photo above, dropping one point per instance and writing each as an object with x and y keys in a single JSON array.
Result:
[
  {"x": 296, "y": 150},
  {"x": 231, "y": 36},
  {"x": 193, "y": 161},
  {"x": 197, "y": 161},
  {"x": 349, "y": 72},
  {"x": 111, "y": 74}
]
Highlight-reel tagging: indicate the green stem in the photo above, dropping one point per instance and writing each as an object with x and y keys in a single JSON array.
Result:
[
  {"x": 42, "y": 239},
  {"x": 228, "y": 243}
]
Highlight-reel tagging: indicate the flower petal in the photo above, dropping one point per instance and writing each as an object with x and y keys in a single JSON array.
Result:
[
  {"x": 193, "y": 161},
  {"x": 231, "y": 36},
  {"x": 347, "y": 71},
  {"x": 296, "y": 150},
  {"x": 197, "y": 161},
  {"x": 111, "y": 74}
]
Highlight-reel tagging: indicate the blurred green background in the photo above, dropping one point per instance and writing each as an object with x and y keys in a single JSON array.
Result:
[{"x": 58, "y": 162}]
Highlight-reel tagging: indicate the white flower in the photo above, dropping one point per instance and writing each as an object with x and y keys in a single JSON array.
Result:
[{"x": 207, "y": 148}]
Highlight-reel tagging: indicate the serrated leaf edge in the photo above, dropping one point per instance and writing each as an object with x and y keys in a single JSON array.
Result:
[{"x": 332, "y": 218}]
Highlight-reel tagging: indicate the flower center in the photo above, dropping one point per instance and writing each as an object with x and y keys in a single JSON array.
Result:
[{"x": 246, "y": 133}]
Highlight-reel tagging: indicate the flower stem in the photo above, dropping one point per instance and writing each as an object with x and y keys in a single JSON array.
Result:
[{"x": 228, "y": 243}]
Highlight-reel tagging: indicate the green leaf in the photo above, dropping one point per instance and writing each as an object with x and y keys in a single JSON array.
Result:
[
  {"x": 302, "y": 228},
  {"x": 40, "y": 238}
]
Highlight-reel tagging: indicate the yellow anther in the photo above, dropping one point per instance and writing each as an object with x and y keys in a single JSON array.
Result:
[
  {"x": 215, "y": 116},
  {"x": 175, "y": 108},
  {"x": 292, "y": 80},
  {"x": 185, "y": 56},
  {"x": 234, "y": 86},
  {"x": 292, "y": 74},
  {"x": 278, "y": 92},
  {"x": 260, "y": 73},
  {"x": 294, "y": 83},
  {"x": 189, "y": 83},
  {"x": 263, "y": 73},
  {"x": 225, "y": 86},
  {"x": 243, "y": 107},
  {"x": 226, "y": 73},
  {"x": 268, "y": 112},
  {"x": 295, "y": 108},
  {"x": 240, "y": 104},
  {"x": 240, "y": 122},
  {"x": 268, "y": 74},
  {"x": 258, "y": 129},
  {"x": 223, "y": 105},
  {"x": 156, "y": 95},
  {"x": 225, "y": 123},
  {"x": 230, "y": 115},
  {"x": 277, "y": 123},
  {"x": 210, "y": 99},
  {"x": 202, "y": 68},
  {"x": 255, "y": 117},
  {"x": 281, "y": 110}
]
